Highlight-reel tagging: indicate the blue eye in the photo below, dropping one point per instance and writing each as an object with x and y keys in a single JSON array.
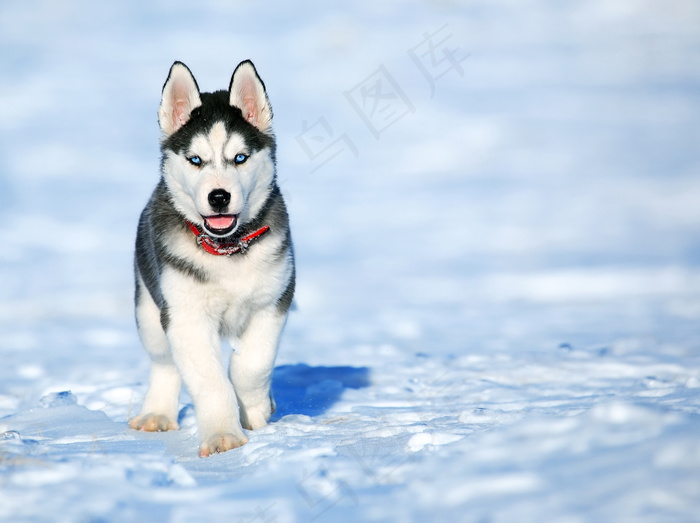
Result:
[
  {"x": 240, "y": 158},
  {"x": 195, "y": 160}
]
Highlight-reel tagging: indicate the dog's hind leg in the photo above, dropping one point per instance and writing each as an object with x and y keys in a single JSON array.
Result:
[
  {"x": 160, "y": 407},
  {"x": 251, "y": 366}
]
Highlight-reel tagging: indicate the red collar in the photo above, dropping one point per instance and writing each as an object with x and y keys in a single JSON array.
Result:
[{"x": 212, "y": 246}]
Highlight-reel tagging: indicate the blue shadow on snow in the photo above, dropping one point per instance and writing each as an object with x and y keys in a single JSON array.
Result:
[{"x": 311, "y": 391}]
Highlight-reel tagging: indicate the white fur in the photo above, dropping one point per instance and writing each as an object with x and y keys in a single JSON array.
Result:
[
  {"x": 247, "y": 183},
  {"x": 165, "y": 381},
  {"x": 239, "y": 303},
  {"x": 239, "y": 298},
  {"x": 251, "y": 365}
]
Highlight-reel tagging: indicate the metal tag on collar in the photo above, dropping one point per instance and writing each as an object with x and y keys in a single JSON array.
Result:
[{"x": 243, "y": 246}]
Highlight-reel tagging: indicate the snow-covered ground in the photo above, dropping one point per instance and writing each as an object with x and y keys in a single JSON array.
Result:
[{"x": 495, "y": 208}]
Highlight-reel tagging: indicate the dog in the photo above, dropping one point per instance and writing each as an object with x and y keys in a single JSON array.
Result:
[{"x": 214, "y": 259}]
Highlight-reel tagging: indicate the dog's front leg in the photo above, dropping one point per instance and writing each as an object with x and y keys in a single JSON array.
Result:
[
  {"x": 195, "y": 344},
  {"x": 252, "y": 363},
  {"x": 159, "y": 411}
]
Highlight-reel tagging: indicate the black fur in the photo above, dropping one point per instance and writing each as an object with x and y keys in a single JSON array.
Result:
[
  {"x": 160, "y": 217},
  {"x": 165, "y": 242},
  {"x": 216, "y": 108}
]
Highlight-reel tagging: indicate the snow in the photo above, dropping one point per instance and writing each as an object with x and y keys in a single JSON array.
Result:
[{"x": 498, "y": 301}]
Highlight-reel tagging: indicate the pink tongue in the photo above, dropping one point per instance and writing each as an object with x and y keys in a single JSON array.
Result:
[{"x": 220, "y": 222}]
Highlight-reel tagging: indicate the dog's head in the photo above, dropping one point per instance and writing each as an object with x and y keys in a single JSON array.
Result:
[{"x": 218, "y": 148}]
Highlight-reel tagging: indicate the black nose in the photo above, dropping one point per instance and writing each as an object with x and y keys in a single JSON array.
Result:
[{"x": 219, "y": 199}]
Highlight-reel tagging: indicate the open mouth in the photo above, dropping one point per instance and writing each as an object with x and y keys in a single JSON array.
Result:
[{"x": 220, "y": 224}]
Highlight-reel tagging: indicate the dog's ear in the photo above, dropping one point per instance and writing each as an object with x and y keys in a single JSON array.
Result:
[
  {"x": 247, "y": 92},
  {"x": 180, "y": 98}
]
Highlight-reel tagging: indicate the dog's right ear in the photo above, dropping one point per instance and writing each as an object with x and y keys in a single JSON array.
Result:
[{"x": 180, "y": 98}]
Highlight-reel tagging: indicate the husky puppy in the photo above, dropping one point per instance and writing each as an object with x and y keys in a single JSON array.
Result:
[{"x": 213, "y": 259}]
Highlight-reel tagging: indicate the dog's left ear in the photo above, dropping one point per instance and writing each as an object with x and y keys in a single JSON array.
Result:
[{"x": 247, "y": 92}]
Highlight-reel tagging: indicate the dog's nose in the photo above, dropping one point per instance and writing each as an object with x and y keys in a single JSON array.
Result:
[{"x": 219, "y": 199}]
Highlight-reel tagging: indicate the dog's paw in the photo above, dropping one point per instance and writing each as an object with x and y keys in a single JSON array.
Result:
[
  {"x": 221, "y": 443},
  {"x": 256, "y": 418},
  {"x": 153, "y": 423}
]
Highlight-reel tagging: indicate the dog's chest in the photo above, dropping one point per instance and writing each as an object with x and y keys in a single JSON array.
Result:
[
  {"x": 236, "y": 286},
  {"x": 247, "y": 278}
]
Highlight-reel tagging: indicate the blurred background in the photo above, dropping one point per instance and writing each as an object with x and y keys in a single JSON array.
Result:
[{"x": 461, "y": 176}]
